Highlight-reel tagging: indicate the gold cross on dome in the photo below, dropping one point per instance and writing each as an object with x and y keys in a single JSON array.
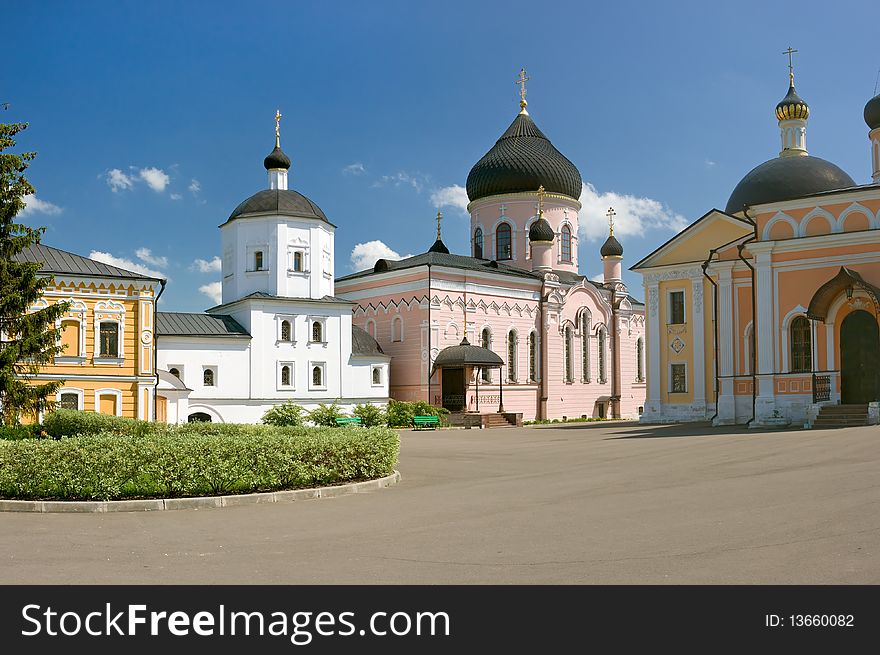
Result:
[
  {"x": 790, "y": 52},
  {"x": 277, "y": 128},
  {"x": 540, "y": 201},
  {"x": 611, "y": 214},
  {"x": 521, "y": 80},
  {"x": 439, "y": 218}
]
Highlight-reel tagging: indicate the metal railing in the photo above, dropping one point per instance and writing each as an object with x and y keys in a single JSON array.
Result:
[{"x": 821, "y": 388}]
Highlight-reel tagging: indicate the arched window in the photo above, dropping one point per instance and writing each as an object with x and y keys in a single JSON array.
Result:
[
  {"x": 69, "y": 401},
  {"x": 503, "y": 247},
  {"x": 585, "y": 345},
  {"x": 640, "y": 360},
  {"x": 801, "y": 347},
  {"x": 603, "y": 364},
  {"x": 317, "y": 332},
  {"x": 511, "y": 356},
  {"x": 285, "y": 376},
  {"x": 377, "y": 375},
  {"x": 208, "y": 377},
  {"x": 175, "y": 372},
  {"x": 486, "y": 342},
  {"x": 317, "y": 376},
  {"x": 568, "y": 364},
  {"x": 109, "y": 335},
  {"x": 397, "y": 329},
  {"x": 533, "y": 357},
  {"x": 478, "y": 243},
  {"x": 285, "y": 330},
  {"x": 565, "y": 244}
]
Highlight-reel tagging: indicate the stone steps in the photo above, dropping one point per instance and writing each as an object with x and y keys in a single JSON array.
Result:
[{"x": 842, "y": 416}]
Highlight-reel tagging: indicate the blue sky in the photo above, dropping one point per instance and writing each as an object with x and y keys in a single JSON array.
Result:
[{"x": 151, "y": 120}]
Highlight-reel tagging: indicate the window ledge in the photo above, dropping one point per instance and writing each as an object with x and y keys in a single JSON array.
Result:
[
  {"x": 318, "y": 343},
  {"x": 79, "y": 361},
  {"x": 293, "y": 271},
  {"x": 257, "y": 271},
  {"x": 109, "y": 361},
  {"x": 278, "y": 342}
]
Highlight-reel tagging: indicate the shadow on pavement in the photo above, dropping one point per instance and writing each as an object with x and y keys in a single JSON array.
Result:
[{"x": 702, "y": 429}]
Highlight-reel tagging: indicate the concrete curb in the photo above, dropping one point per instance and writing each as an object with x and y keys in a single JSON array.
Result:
[{"x": 199, "y": 502}]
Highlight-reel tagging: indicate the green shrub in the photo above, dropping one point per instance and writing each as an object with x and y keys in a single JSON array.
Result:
[
  {"x": 370, "y": 415},
  {"x": 325, "y": 415},
  {"x": 286, "y": 414},
  {"x": 72, "y": 423},
  {"x": 400, "y": 414},
  {"x": 15, "y": 432},
  {"x": 193, "y": 459}
]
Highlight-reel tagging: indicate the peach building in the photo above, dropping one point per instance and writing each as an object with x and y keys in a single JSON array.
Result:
[
  {"x": 766, "y": 312},
  {"x": 568, "y": 346}
]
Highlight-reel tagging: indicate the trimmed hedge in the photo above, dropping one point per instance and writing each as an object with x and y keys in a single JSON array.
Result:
[
  {"x": 73, "y": 423},
  {"x": 191, "y": 460}
]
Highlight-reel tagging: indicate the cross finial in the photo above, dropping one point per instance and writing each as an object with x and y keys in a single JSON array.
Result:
[
  {"x": 611, "y": 214},
  {"x": 439, "y": 218},
  {"x": 521, "y": 80},
  {"x": 790, "y": 52},
  {"x": 541, "y": 201},
  {"x": 277, "y": 128}
]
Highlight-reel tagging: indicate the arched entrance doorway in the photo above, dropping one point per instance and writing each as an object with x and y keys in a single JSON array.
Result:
[
  {"x": 199, "y": 417},
  {"x": 859, "y": 358}
]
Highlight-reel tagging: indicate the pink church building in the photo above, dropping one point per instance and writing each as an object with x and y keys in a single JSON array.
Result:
[{"x": 568, "y": 346}]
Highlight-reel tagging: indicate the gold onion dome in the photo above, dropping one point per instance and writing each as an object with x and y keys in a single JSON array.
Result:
[{"x": 792, "y": 107}]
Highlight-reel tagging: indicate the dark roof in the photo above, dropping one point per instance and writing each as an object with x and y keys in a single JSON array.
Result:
[
  {"x": 440, "y": 247},
  {"x": 363, "y": 344},
  {"x": 53, "y": 260},
  {"x": 792, "y": 106},
  {"x": 611, "y": 247},
  {"x": 184, "y": 324},
  {"x": 442, "y": 259},
  {"x": 872, "y": 112},
  {"x": 276, "y": 159},
  {"x": 280, "y": 202},
  {"x": 464, "y": 354},
  {"x": 541, "y": 231},
  {"x": 786, "y": 178},
  {"x": 522, "y": 160},
  {"x": 269, "y": 296},
  {"x": 821, "y": 301}
]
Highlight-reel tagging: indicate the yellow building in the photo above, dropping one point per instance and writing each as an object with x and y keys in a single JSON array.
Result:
[{"x": 109, "y": 360}]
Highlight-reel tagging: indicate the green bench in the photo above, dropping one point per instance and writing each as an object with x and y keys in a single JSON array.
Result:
[
  {"x": 348, "y": 420},
  {"x": 426, "y": 422}
]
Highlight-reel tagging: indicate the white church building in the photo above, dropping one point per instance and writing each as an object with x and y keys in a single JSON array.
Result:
[{"x": 280, "y": 333}]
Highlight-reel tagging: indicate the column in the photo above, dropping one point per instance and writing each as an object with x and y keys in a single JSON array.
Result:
[
  {"x": 765, "y": 332},
  {"x": 699, "y": 343},
  {"x": 653, "y": 406},
  {"x": 725, "y": 323}
]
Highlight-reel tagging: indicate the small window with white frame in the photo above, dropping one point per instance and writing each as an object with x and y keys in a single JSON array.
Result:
[
  {"x": 317, "y": 375},
  {"x": 177, "y": 371},
  {"x": 285, "y": 328},
  {"x": 257, "y": 260},
  {"x": 286, "y": 377},
  {"x": 317, "y": 329},
  {"x": 209, "y": 376},
  {"x": 677, "y": 315},
  {"x": 377, "y": 376},
  {"x": 67, "y": 398}
]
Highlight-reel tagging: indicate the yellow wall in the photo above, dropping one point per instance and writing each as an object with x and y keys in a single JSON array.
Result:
[{"x": 668, "y": 335}]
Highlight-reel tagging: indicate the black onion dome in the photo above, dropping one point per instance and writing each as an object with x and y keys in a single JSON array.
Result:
[
  {"x": 792, "y": 106},
  {"x": 872, "y": 112},
  {"x": 611, "y": 247},
  {"x": 439, "y": 246},
  {"x": 522, "y": 160},
  {"x": 541, "y": 231},
  {"x": 276, "y": 159},
  {"x": 786, "y": 178},
  {"x": 280, "y": 202}
]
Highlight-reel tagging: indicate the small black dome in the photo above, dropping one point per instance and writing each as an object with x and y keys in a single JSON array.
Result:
[
  {"x": 785, "y": 178},
  {"x": 611, "y": 247},
  {"x": 276, "y": 159},
  {"x": 281, "y": 202},
  {"x": 522, "y": 160},
  {"x": 872, "y": 112},
  {"x": 541, "y": 231},
  {"x": 792, "y": 106},
  {"x": 439, "y": 246}
]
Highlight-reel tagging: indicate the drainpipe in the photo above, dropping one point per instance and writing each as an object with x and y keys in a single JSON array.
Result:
[
  {"x": 714, "y": 323},
  {"x": 156, "y": 345},
  {"x": 754, "y": 357}
]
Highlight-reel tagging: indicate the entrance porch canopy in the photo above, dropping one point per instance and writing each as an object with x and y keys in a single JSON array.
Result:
[
  {"x": 846, "y": 279},
  {"x": 464, "y": 355}
]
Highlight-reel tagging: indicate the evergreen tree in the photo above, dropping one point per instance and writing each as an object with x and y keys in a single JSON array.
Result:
[{"x": 27, "y": 339}]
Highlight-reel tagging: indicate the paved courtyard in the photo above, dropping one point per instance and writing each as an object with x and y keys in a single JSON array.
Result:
[{"x": 581, "y": 503}]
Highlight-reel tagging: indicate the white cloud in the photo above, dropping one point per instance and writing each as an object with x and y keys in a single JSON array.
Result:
[
  {"x": 195, "y": 186},
  {"x": 451, "y": 196},
  {"x": 146, "y": 255},
  {"x": 155, "y": 178},
  {"x": 176, "y": 196},
  {"x": 364, "y": 255},
  {"x": 415, "y": 180},
  {"x": 634, "y": 215},
  {"x": 126, "y": 264},
  {"x": 203, "y": 266},
  {"x": 118, "y": 180},
  {"x": 214, "y": 291},
  {"x": 709, "y": 163},
  {"x": 33, "y": 205},
  {"x": 356, "y": 168}
]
